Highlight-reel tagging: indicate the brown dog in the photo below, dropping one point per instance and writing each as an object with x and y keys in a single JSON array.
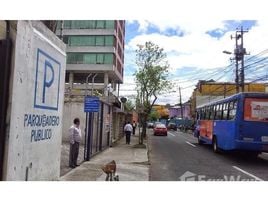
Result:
[{"x": 110, "y": 170}]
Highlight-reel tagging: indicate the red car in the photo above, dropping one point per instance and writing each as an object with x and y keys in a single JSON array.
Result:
[{"x": 160, "y": 129}]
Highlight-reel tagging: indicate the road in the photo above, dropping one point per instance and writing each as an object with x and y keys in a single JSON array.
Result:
[{"x": 178, "y": 157}]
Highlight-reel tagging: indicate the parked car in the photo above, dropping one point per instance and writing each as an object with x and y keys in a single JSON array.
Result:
[
  {"x": 160, "y": 129},
  {"x": 150, "y": 125},
  {"x": 172, "y": 126}
]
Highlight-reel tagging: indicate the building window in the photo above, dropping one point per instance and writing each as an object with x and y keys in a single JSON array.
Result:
[
  {"x": 74, "y": 58},
  {"x": 108, "y": 58},
  {"x": 89, "y": 40},
  {"x": 99, "y": 40},
  {"x": 100, "y": 58},
  {"x": 109, "y": 40},
  {"x": 89, "y": 24},
  {"x": 81, "y": 41},
  {"x": 89, "y": 58},
  {"x": 109, "y": 24},
  {"x": 79, "y": 24},
  {"x": 100, "y": 24}
]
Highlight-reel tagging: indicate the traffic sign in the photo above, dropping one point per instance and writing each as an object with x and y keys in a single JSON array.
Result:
[{"x": 91, "y": 104}]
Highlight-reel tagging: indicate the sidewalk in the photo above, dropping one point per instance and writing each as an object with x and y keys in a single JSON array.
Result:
[{"x": 131, "y": 162}]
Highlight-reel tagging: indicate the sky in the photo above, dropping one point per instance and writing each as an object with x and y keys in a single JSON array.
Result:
[
  {"x": 193, "y": 33},
  {"x": 194, "y": 51}
]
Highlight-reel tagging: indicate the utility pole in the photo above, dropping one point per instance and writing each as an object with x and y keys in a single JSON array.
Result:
[
  {"x": 239, "y": 53},
  {"x": 181, "y": 103},
  {"x": 224, "y": 91}
]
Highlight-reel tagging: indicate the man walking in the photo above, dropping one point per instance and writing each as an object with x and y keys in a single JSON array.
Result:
[
  {"x": 128, "y": 129},
  {"x": 75, "y": 139}
]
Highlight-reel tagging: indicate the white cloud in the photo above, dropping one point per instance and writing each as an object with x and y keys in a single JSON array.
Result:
[
  {"x": 196, "y": 48},
  {"x": 188, "y": 26}
]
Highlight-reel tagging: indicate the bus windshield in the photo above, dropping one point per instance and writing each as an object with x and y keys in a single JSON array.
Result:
[{"x": 256, "y": 109}]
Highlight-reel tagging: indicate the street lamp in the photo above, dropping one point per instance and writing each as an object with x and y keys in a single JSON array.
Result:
[{"x": 236, "y": 70}]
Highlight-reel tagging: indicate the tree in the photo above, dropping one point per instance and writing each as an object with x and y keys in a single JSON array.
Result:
[
  {"x": 151, "y": 79},
  {"x": 153, "y": 116},
  {"x": 128, "y": 106}
]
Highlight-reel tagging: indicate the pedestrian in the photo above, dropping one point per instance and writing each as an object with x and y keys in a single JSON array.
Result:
[
  {"x": 128, "y": 129},
  {"x": 75, "y": 139},
  {"x": 134, "y": 127}
]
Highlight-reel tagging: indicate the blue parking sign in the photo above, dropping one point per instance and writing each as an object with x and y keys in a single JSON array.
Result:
[{"x": 47, "y": 81}]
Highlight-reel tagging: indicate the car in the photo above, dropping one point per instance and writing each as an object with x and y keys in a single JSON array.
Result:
[
  {"x": 160, "y": 129},
  {"x": 150, "y": 125},
  {"x": 172, "y": 126}
]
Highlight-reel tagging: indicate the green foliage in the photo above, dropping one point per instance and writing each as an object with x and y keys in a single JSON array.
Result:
[
  {"x": 152, "y": 75},
  {"x": 128, "y": 106},
  {"x": 153, "y": 116}
]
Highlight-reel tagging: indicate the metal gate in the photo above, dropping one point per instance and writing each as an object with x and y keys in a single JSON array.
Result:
[{"x": 5, "y": 58}]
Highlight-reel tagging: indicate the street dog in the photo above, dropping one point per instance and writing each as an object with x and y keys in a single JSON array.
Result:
[{"x": 110, "y": 170}]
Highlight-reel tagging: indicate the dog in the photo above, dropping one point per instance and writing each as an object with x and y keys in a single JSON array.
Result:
[{"x": 110, "y": 170}]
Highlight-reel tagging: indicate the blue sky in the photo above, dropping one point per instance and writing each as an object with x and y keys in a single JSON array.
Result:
[{"x": 194, "y": 50}]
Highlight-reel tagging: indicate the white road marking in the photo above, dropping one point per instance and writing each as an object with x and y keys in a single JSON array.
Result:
[
  {"x": 190, "y": 143},
  {"x": 247, "y": 173},
  {"x": 171, "y": 134}
]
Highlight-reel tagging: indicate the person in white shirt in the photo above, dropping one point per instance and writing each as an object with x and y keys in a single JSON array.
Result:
[
  {"x": 128, "y": 130},
  {"x": 134, "y": 127},
  {"x": 75, "y": 139}
]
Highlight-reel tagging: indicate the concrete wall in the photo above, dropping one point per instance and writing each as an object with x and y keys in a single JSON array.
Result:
[
  {"x": 72, "y": 110},
  {"x": 33, "y": 144}
]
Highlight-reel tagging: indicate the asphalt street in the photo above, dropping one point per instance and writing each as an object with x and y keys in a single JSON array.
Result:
[{"x": 178, "y": 157}]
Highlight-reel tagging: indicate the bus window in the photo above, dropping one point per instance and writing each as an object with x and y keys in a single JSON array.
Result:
[
  {"x": 202, "y": 113},
  {"x": 198, "y": 115},
  {"x": 225, "y": 111},
  {"x": 218, "y": 112},
  {"x": 207, "y": 112},
  {"x": 212, "y": 112},
  {"x": 232, "y": 110}
]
